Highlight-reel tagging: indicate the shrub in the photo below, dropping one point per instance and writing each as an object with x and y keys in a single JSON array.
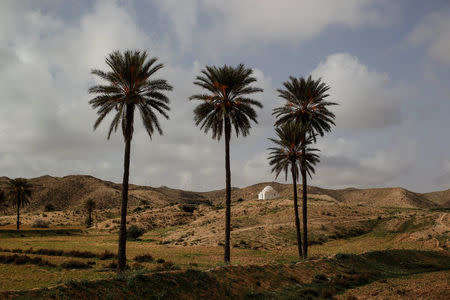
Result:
[
  {"x": 24, "y": 259},
  {"x": 144, "y": 258},
  {"x": 168, "y": 265},
  {"x": 49, "y": 207},
  {"x": 112, "y": 265},
  {"x": 134, "y": 232},
  {"x": 188, "y": 207},
  {"x": 143, "y": 202},
  {"x": 138, "y": 209},
  {"x": 106, "y": 255},
  {"x": 75, "y": 264},
  {"x": 39, "y": 223}
]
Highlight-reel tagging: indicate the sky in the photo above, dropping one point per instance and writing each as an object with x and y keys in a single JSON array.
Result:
[{"x": 387, "y": 64}]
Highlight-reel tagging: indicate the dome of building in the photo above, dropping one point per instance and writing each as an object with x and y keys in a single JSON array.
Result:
[{"x": 268, "y": 188}]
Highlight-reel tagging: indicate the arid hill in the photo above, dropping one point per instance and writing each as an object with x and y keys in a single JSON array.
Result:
[{"x": 70, "y": 192}]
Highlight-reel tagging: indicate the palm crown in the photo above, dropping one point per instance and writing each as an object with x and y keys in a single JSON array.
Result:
[
  {"x": 227, "y": 96},
  {"x": 89, "y": 204},
  {"x": 306, "y": 105},
  {"x": 130, "y": 85},
  {"x": 20, "y": 191},
  {"x": 290, "y": 151}
]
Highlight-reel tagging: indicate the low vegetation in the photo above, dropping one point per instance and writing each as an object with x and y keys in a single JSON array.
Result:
[{"x": 331, "y": 277}]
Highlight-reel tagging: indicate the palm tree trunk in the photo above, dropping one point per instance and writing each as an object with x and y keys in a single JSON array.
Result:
[
  {"x": 297, "y": 221},
  {"x": 121, "y": 255},
  {"x": 89, "y": 217},
  {"x": 228, "y": 190},
  {"x": 305, "y": 214},
  {"x": 18, "y": 214}
]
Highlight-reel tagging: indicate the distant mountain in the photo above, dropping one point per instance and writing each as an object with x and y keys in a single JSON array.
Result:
[{"x": 70, "y": 192}]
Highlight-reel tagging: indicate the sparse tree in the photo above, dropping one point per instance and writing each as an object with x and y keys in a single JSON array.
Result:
[
  {"x": 226, "y": 104},
  {"x": 89, "y": 205},
  {"x": 306, "y": 105},
  {"x": 129, "y": 86},
  {"x": 292, "y": 152},
  {"x": 19, "y": 191}
]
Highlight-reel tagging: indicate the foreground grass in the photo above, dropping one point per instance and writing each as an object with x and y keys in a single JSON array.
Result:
[
  {"x": 309, "y": 279},
  {"x": 13, "y": 277}
]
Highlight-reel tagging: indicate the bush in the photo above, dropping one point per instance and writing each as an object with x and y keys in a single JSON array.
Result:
[
  {"x": 75, "y": 264},
  {"x": 49, "y": 207},
  {"x": 106, "y": 255},
  {"x": 39, "y": 223},
  {"x": 166, "y": 266},
  {"x": 112, "y": 265},
  {"x": 138, "y": 209},
  {"x": 144, "y": 258},
  {"x": 134, "y": 232},
  {"x": 143, "y": 202},
  {"x": 188, "y": 207},
  {"x": 24, "y": 259}
]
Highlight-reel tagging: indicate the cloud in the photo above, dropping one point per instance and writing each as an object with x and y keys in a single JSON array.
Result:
[
  {"x": 46, "y": 121},
  {"x": 212, "y": 25},
  {"x": 443, "y": 180},
  {"x": 433, "y": 32},
  {"x": 367, "y": 99}
]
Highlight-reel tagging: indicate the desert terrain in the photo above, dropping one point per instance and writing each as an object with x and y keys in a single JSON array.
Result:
[{"x": 383, "y": 243}]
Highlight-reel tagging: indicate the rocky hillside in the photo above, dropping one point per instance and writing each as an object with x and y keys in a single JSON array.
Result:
[{"x": 70, "y": 192}]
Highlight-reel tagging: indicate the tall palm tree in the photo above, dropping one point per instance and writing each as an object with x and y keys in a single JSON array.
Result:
[
  {"x": 306, "y": 105},
  {"x": 89, "y": 205},
  {"x": 292, "y": 152},
  {"x": 129, "y": 85},
  {"x": 226, "y": 104},
  {"x": 19, "y": 194}
]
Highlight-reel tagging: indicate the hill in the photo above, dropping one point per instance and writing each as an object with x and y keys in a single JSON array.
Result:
[{"x": 70, "y": 192}]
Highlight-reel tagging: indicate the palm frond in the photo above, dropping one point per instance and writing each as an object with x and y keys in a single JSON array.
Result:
[{"x": 129, "y": 83}]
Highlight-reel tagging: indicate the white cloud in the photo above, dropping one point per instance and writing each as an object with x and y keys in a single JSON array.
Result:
[
  {"x": 46, "y": 121},
  {"x": 344, "y": 162},
  {"x": 217, "y": 25},
  {"x": 434, "y": 33},
  {"x": 366, "y": 98}
]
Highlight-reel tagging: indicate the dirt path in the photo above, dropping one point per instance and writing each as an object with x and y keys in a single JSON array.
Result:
[{"x": 440, "y": 226}]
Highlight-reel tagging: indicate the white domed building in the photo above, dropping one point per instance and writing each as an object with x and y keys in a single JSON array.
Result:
[{"x": 268, "y": 193}]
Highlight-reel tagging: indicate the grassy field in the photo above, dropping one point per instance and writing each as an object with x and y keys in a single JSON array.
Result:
[
  {"x": 19, "y": 277},
  {"x": 262, "y": 235}
]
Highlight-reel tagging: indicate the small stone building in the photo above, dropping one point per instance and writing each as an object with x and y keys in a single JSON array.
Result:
[{"x": 268, "y": 193}]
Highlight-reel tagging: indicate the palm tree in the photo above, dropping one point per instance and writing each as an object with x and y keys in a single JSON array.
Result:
[
  {"x": 129, "y": 85},
  {"x": 3, "y": 204},
  {"x": 89, "y": 205},
  {"x": 19, "y": 194},
  {"x": 306, "y": 105},
  {"x": 292, "y": 152},
  {"x": 226, "y": 104}
]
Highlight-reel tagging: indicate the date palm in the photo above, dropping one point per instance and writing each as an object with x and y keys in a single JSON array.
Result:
[
  {"x": 129, "y": 85},
  {"x": 19, "y": 192},
  {"x": 306, "y": 105},
  {"x": 89, "y": 205},
  {"x": 226, "y": 104},
  {"x": 293, "y": 152},
  {"x": 3, "y": 204}
]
